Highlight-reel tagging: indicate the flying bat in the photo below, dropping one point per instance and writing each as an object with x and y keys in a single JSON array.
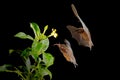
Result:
[
  {"x": 81, "y": 35},
  {"x": 67, "y": 52}
]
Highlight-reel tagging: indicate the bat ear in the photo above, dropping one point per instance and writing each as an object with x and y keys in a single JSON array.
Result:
[{"x": 67, "y": 42}]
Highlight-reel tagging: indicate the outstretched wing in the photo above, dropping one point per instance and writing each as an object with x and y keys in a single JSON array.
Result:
[
  {"x": 74, "y": 32},
  {"x": 67, "y": 52},
  {"x": 79, "y": 35},
  {"x": 86, "y": 30}
]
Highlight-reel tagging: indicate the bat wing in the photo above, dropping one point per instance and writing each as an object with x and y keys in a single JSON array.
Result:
[
  {"x": 80, "y": 35},
  {"x": 87, "y": 32},
  {"x": 74, "y": 11},
  {"x": 70, "y": 53},
  {"x": 88, "y": 35},
  {"x": 83, "y": 24},
  {"x": 67, "y": 52},
  {"x": 74, "y": 33}
]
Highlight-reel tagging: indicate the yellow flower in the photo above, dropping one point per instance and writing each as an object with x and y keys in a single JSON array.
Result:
[{"x": 53, "y": 33}]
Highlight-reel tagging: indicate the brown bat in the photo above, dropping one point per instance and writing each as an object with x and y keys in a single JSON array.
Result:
[
  {"x": 67, "y": 52},
  {"x": 81, "y": 35}
]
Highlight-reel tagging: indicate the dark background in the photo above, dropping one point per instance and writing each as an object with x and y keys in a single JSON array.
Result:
[{"x": 95, "y": 64}]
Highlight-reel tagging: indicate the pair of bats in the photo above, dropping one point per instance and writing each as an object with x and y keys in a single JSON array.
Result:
[{"x": 81, "y": 35}]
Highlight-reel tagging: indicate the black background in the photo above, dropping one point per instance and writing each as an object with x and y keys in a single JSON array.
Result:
[{"x": 95, "y": 64}]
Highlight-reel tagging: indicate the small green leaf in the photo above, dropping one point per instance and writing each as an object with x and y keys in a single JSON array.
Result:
[
  {"x": 25, "y": 53},
  {"x": 49, "y": 73},
  {"x": 48, "y": 59},
  {"x": 4, "y": 67},
  {"x": 45, "y": 28},
  {"x": 44, "y": 72},
  {"x": 42, "y": 36},
  {"x": 22, "y": 35},
  {"x": 11, "y": 51},
  {"x": 36, "y": 29},
  {"x": 28, "y": 64}
]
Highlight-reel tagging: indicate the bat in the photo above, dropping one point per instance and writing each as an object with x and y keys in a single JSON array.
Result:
[
  {"x": 67, "y": 52},
  {"x": 81, "y": 35}
]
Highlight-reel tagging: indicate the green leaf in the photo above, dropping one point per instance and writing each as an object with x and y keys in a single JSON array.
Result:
[
  {"x": 28, "y": 64},
  {"x": 25, "y": 53},
  {"x": 43, "y": 71},
  {"x": 48, "y": 59},
  {"x": 4, "y": 67},
  {"x": 36, "y": 29},
  {"x": 45, "y": 44},
  {"x": 42, "y": 36},
  {"x": 11, "y": 51},
  {"x": 39, "y": 46},
  {"x": 36, "y": 49},
  {"x": 22, "y": 35}
]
